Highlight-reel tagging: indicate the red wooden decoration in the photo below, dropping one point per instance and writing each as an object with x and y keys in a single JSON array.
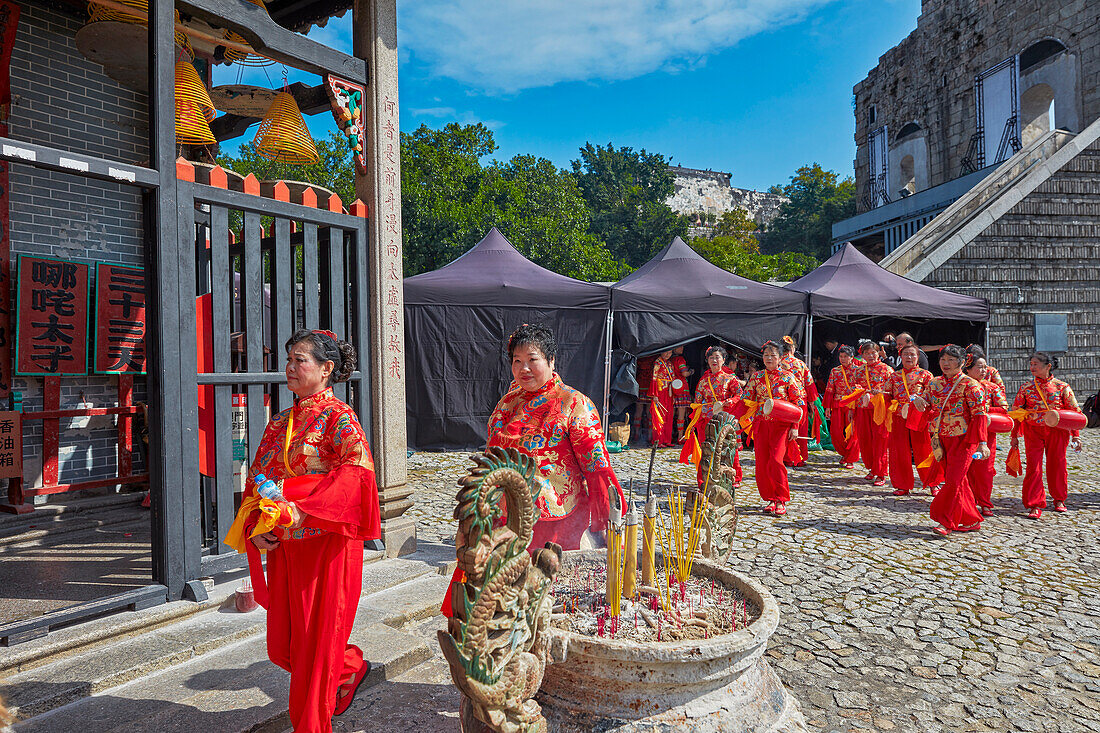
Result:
[
  {"x": 52, "y": 308},
  {"x": 119, "y": 320}
]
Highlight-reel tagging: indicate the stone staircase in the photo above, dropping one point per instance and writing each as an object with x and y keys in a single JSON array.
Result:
[{"x": 204, "y": 667}]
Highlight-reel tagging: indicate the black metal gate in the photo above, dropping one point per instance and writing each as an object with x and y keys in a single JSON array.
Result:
[{"x": 264, "y": 267}]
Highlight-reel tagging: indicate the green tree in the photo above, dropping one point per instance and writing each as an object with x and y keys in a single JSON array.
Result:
[
  {"x": 626, "y": 193},
  {"x": 335, "y": 171},
  {"x": 735, "y": 248},
  {"x": 818, "y": 199},
  {"x": 450, "y": 200}
]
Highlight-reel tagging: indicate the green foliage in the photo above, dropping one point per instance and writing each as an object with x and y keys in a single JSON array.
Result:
[
  {"x": 450, "y": 200},
  {"x": 626, "y": 193},
  {"x": 735, "y": 248},
  {"x": 335, "y": 171},
  {"x": 818, "y": 199}
]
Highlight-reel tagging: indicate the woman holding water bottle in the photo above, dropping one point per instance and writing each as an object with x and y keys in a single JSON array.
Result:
[
  {"x": 957, "y": 406},
  {"x": 315, "y": 470}
]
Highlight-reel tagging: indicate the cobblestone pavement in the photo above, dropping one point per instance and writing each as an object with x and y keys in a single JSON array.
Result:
[{"x": 887, "y": 626}]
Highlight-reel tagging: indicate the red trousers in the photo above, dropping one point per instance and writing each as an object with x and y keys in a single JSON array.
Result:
[
  {"x": 1040, "y": 439},
  {"x": 701, "y": 435},
  {"x": 770, "y": 446},
  {"x": 848, "y": 448},
  {"x": 980, "y": 475},
  {"x": 905, "y": 446},
  {"x": 314, "y": 585},
  {"x": 799, "y": 450},
  {"x": 954, "y": 506},
  {"x": 873, "y": 440}
]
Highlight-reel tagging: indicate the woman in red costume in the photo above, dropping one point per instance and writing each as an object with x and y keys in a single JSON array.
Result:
[
  {"x": 981, "y": 473},
  {"x": 660, "y": 395},
  {"x": 839, "y": 386},
  {"x": 909, "y": 439},
  {"x": 718, "y": 390},
  {"x": 957, "y": 406},
  {"x": 318, "y": 457},
  {"x": 770, "y": 436},
  {"x": 1044, "y": 392},
  {"x": 560, "y": 428},
  {"x": 991, "y": 373},
  {"x": 681, "y": 395},
  {"x": 873, "y": 377},
  {"x": 798, "y": 450}
]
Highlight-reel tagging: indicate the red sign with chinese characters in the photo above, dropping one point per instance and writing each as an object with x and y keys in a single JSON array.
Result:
[
  {"x": 52, "y": 317},
  {"x": 11, "y": 444},
  {"x": 119, "y": 320}
]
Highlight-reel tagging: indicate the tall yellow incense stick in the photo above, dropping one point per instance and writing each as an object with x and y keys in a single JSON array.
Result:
[
  {"x": 630, "y": 554},
  {"x": 649, "y": 539},
  {"x": 614, "y": 559}
]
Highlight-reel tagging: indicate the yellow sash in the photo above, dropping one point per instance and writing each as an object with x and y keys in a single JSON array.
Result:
[{"x": 270, "y": 511}]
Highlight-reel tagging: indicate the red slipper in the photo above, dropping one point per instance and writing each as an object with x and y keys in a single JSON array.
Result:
[
  {"x": 780, "y": 509},
  {"x": 943, "y": 531},
  {"x": 343, "y": 703},
  {"x": 901, "y": 492},
  {"x": 1059, "y": 507},
  {"x": 879, "y": 481},
  {"x": 1035, "y": 513},
  {"x": 770, "y": 508}
]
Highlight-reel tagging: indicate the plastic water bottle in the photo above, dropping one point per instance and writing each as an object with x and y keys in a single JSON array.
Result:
[
  {"x": 977, "y": 456},
  {"x": 267, "y": 488}
]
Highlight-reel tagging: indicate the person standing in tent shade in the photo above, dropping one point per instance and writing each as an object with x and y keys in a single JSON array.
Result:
[
  {"x": 909, "y": 439},
  {"x": 959, "y": 428},
  {"x": 1043, "y": 393},
  {"x": 798, "y": 450},
  {"x": 872, "y": 377},
  {"x": 661, "y": 401},
  {"x": 981, "y": 473},
  {"x": 681, "y": 394},
  {"x": 841, "y": 418},
  {"x": 770, "y": 435},
  {"x": 717, "y": 391}
]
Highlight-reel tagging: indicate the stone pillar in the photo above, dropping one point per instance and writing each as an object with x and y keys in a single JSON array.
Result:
[{"x": 374, "y": 29}]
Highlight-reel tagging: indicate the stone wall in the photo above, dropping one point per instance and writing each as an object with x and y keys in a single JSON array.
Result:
[
  {"x": 1042, "y": 256},
  {"x": 709, "y": 192},
  {"x": 61, "y": 99},
  {"x": 928, "y": 78}
]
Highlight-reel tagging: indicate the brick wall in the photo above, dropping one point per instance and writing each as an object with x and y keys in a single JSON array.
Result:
[
  {"x": 61, "y": 99},
  {"x": 928, "y": 78},
  {"x": 1043, "y": 255}
]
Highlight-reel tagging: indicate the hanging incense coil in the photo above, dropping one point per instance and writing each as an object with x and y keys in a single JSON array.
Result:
[
  {"x": 283, "y": 135},
  {"x": 97, "y": 13},
  {"x": 190, "y": 89},
  {"x": 235, "y": 56},
  {"x": 191, "y": 125}
]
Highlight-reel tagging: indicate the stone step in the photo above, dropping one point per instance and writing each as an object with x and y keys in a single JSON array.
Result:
[
  {"x": 232, "y": 689},
  {"x": 396, "y": 592}
]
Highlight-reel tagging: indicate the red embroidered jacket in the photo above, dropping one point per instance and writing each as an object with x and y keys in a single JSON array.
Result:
[
  {"x": 839, "y": 386},
  {"x": 965, "y": 404},
  {"x": 1040, "y": 395},
  {"x": 778, "y": 385},
  {"x": 904, "y": 384},
  {"x": 722, "y": 387},
  {"x": 802, "y": 375},
  {"x": 560, "y": 428}
]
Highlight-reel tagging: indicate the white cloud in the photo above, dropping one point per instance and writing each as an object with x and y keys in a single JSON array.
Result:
[{"x": 510, "y": 45}]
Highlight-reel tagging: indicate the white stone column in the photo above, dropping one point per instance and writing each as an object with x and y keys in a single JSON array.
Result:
[{"x": 374, "y": 29}]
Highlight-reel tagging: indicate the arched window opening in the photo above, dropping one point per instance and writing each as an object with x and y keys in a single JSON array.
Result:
[
  {"x": 907, "y": 131},
  {"x": 1038, "y": 52},
  {"x": 1036, "y": 112}
]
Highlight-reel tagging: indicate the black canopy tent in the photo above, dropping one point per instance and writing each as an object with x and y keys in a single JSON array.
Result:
[
  {"x": 864, "y": 300},
  {"x": 457, "y": 322},
  {"x": 678, "y": 297}
]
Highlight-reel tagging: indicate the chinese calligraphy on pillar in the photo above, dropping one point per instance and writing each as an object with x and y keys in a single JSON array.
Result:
[
  {"x": 52, "y": 317},
  {"x": 390, "y": 218},
  {"x": 11, "y": 444},
  {"x": 119, "y": 320}
]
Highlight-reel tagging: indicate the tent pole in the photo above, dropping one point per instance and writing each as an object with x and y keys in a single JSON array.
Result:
[
  {"x": 607, "y": 374},
  {"x": 809, "y": 338},
  {"x": 985, "y": 339}
]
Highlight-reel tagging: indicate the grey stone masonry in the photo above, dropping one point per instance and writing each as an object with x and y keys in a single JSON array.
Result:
[
  {"x": 1043, "y": 255},
  {"x": 63, "y": 100},
  {"x": 709, "y": 192},
  {"x": 928, "y": 80}
]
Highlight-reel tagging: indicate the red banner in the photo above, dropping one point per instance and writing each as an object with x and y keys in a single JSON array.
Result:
[
  {"x": 52, "y": 317},
  {"x": 119, "y": 320},
  {"x": 9, "y": 22}
]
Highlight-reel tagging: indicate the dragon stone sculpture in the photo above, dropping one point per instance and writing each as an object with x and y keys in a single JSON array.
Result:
[
  {"x": 718, "y": 477},
  {"x": 495, "y": 642}
]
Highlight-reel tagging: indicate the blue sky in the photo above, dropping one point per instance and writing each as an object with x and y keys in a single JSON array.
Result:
[{"x": 752, "y": 87}]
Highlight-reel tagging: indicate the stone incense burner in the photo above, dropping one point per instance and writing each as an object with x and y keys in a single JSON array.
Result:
[{"x": 721, "y": 683}]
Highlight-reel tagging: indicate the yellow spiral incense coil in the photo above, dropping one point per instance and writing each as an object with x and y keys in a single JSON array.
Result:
[
  {"x": 283, "y": 135},
  {"x": 240, "y": 57},
  {"x": 97, "y": 13}
]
